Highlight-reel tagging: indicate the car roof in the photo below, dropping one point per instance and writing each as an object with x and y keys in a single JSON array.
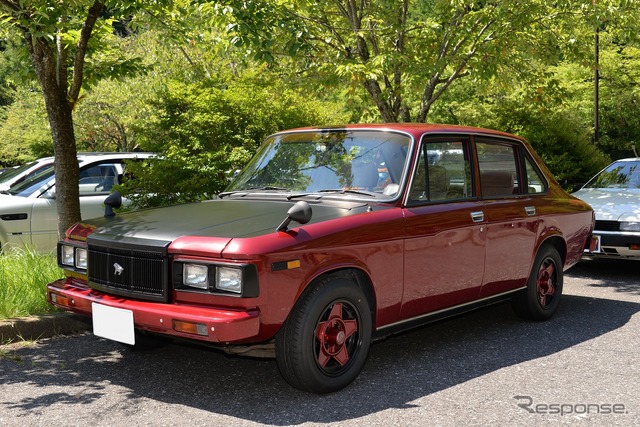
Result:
[
  {"x": 85, "y": 158},
  {"x": 412, "y": 128},
  {"x": 628, "y": 159}
]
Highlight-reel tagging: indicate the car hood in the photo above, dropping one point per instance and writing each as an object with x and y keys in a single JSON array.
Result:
[
  {"x": 612, "y": 204},
  {"x": 223, "y": 219},
  {"x": 9, "y": 203}
]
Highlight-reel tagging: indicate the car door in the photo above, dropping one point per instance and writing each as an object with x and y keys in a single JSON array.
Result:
[
  {"x": 96, "y": 181},
  {"x": 445, "y": 243},
  {"x": 508, "y": 183}
]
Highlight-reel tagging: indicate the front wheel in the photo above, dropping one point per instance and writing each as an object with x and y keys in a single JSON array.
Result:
[
  {"x": 540, "y": 300},
  {"x": 323, "y": 345}
]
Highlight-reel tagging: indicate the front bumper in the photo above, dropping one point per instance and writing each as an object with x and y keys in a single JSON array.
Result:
[
  {"x": 617, "y": 244},
  {"x": 222, "y": 325}
]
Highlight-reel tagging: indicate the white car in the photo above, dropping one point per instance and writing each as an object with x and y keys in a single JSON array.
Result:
[
  {"x": 28, "y": 212},
  {"x": 614, "y": 194},
  {"x": 16, "y": 175}
]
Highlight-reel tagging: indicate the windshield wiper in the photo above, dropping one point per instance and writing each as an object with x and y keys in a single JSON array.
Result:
[
  {"x": 267, "y": 187},
  {"x": 349, "y": 191},
  {"x": 250, "y": 189}
]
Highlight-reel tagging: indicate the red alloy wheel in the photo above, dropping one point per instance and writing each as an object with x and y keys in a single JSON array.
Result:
[
  {"x": 336, "y": 337},
  {"x": 547, "y": 282}
]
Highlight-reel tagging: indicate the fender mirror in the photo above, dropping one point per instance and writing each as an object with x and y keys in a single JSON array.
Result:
[
  {"x": 113, "y": 200},
  {"x": 300, "y": 213}
]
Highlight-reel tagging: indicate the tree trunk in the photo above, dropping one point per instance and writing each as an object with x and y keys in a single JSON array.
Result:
[
  {"x": 386, "y": 111},
  {"x": 59, "y": 112},
  {"x": 66, "y": 164}
]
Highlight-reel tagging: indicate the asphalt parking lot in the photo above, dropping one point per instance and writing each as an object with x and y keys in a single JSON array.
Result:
[{"x": 484, "y": 368}]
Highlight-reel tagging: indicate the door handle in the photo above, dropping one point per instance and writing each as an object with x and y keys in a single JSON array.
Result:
[
  {"x": 530, "y": 210},
  {"x": 477, "y": 216}
]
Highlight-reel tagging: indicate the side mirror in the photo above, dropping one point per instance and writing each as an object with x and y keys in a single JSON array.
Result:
[
  {"x": 113, "y": 200},
  {"x": 300, "y": 213},
  {"x": 50, "y": 193}
]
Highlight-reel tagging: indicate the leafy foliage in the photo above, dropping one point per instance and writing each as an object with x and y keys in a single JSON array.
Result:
[
  {"x": 561, "y": 135},
  {"x": 205, "y": 133},
  {"x": 620, "y": 101},
  {"x": 406, "y": 55},
  {"x": 24, "y": 130},
  {"x": 203, "y": 82}
]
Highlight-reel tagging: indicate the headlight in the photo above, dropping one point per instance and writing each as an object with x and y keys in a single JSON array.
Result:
[
  {"x": 196, "y": 276},
  {"x": 81, "y": 258},
  {"x": 629, "y": 226},
  {"x": 73, "y": 256},
  {"x": 67, "y": 255},
  {"x": 229, "y": 279}
]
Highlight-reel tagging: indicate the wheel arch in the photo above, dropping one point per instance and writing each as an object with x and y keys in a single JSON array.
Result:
[
  {"x": 556, "y": 241},
  {"x": 360, "y": 277}
]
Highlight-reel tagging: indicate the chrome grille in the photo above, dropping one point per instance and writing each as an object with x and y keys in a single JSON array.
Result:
[
  {"x": 137, "y": 273},
  {"x": 607, "y": 226}
]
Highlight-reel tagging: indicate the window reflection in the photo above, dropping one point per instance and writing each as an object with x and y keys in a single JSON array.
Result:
[
  {"x": 328, "y": 161},
  {"x": 617, "y": 175}
]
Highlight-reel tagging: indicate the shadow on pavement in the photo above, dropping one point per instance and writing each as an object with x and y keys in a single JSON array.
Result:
[
  {"x": 400, "y": 369},
  {"x": 619, "y": 275}
]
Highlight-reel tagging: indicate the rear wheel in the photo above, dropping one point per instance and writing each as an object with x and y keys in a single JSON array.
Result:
[
  {"x": 540, "y": 300},
  {"x": 323, "y": 345}
]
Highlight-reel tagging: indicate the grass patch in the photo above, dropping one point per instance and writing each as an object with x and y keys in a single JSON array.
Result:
[{"x": 24, "y": 273}]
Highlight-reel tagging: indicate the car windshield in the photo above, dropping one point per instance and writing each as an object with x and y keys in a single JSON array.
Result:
[
  {"x": 33, "y": 183},
  {"x": 625, "y": 175},
  {"x": 13, "y": 172},
  {"x": 357, "y": 163}
]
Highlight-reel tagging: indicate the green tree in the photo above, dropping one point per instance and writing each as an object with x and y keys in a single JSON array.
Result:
[
  {"x": 64, "y": 45},
  {"x": 404, "y": 54},
  {"x": 24, "y": 129},
  {"x": 555, "y": 117},
  {"x": 407, "y": 54},
  {"x": 111, "y": 111},
  {"x": 206, "y": 132},
  {"x": 620, "y": 100}
]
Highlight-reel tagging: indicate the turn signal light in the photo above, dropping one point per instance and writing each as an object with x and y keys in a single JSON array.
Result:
[
  {"x": 634, "y": 247},
  {"x": 190, "y": 328},
  {"x": 60, "y": 300}
]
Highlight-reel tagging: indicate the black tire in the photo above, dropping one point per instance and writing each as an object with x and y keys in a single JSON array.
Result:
[
  {"x": 540, "y": 300},
  {"x": 323, "y": 345}
]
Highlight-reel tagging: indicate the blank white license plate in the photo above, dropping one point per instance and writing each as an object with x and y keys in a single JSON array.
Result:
[{"x": 113, "y": 323}]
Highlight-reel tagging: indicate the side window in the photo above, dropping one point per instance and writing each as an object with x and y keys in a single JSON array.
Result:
[
  {"x": 99, "y": 178},
  {"x": 442, "y": 174},
  {"x": 535, "y": 183},
  {"x": 498, "y": 171}
]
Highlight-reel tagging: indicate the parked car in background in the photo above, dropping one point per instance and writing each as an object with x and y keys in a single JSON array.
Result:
[
  {"x": 331, "y": 238},
  {"x": 614, "y": 194},
  {"x": 16, "y": 175},
  {"x": 28, "y": 212}
]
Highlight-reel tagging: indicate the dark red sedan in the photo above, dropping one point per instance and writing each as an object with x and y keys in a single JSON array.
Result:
[{"x": 329, "y": 239}]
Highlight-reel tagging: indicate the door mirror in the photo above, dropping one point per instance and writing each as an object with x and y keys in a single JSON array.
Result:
[{"x": 50, "y": 193}]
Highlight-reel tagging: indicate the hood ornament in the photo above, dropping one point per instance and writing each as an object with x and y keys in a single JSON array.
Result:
[{"x": 117, "y": 269}]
